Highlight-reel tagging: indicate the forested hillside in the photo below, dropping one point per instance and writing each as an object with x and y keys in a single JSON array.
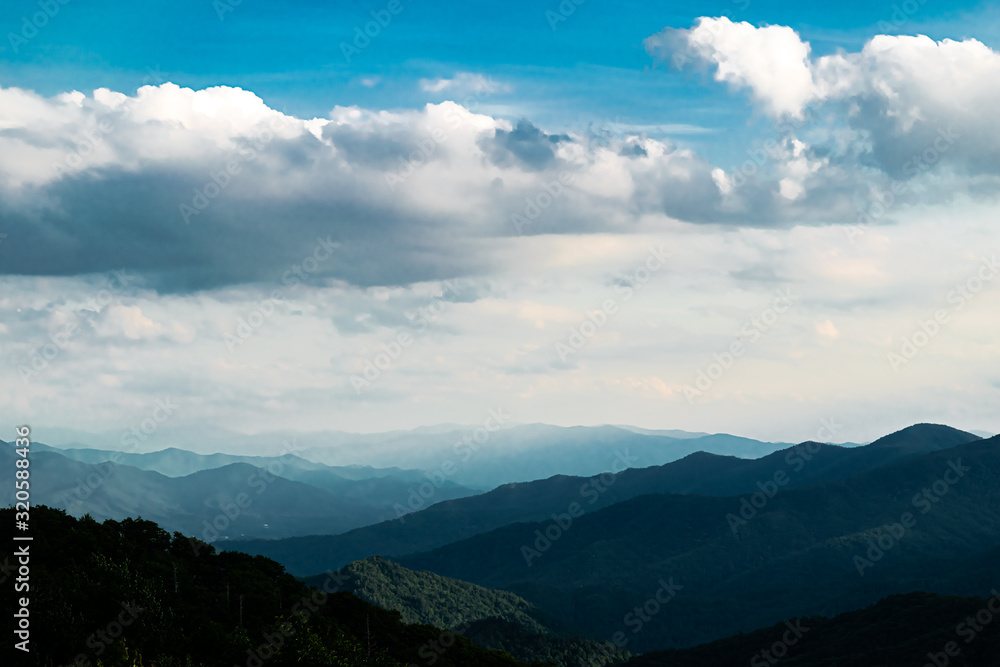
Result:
[
  {"x": 493, "y": 618},
  {"x": 128, "y": 593}
]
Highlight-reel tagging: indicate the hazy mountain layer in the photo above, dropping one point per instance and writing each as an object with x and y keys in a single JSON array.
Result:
[{"x": 700, "y": 473}]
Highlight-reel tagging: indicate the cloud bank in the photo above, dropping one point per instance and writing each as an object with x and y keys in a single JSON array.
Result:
[{"x": 207, "y": 188}]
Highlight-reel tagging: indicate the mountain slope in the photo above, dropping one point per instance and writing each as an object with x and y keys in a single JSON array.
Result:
[
  {"x": 700, "y": 473},
  {"x": 237, "y": 500},
  {"x": 128, "y": 594},
  {"x": 796, "y": 555},
  {"x": 175, "y": 462},
  {"x": 425, "y": 597},
  {"x": 380, "y": 487},
  {"x": 497, "y": 619},
  {"x": 899, "y": 631}
]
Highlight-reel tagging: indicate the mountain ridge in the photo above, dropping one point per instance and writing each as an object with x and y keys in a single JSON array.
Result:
[{"x": 702, "y": 473}]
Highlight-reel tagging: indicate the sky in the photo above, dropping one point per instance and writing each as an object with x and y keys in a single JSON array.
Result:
[{"x": 742, "y": 217}]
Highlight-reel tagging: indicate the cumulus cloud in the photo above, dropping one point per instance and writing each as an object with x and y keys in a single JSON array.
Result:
[
  {"x": 909, "y": 101},
  {"x": 771, "y": 61},
  {"x": 198, "y": 189}
]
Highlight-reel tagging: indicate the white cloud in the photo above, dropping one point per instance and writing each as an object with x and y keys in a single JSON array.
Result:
[
  {"x": 175, "y": 174},
  {"x": 126, "y": 321},
  {"x": 90, "y": 183},
  {"x": 901, "y": 93},
  {"x": 920, "y": 111},
  {"x": 464, "y": 83},
  {"x": 772, "y": 61}
]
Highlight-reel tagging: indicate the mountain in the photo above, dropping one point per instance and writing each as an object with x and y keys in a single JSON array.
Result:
[
  {"x": 425, "y": 597},
  {"x": 332, "y": 503},
  {"x": 700, "y": 473},
  {"x": 128, "y": 593},
  {"x": 708, "y": 548},
  {"x": 390, "y": 492},
  {"x": 802, "y": 465},
  {"x": 174, "y": 462},
  {"x": 898, "y": 631},
  {"x": 670, "y": 433},
  {"x": 496, "y": 619},
  {"x": 474, "y": 457},
  {"x": 481, "y": 459},
  {"x": 237, "y": 500},
  {"x": 822, "y": 549}
]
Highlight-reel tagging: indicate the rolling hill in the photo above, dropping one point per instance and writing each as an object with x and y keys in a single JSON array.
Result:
[
  {"x": 236, "y": 500},
  {"x": 700, "y": 473},
  {"x": 492, "y": 618},
  {"x": 380, "y": 487},
  {"x": 822, "y": 549}
]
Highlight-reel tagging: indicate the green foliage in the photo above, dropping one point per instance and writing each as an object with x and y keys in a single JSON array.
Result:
[
  {"x": 127, "y": 593},
  {"x": 425, "y": 597},
  {"x": 493, "y": 618}
]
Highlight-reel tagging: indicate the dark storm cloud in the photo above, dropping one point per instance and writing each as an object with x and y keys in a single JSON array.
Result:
[
  {"x": 525, "y": 145},
  {"x": 132, "y": 220}
]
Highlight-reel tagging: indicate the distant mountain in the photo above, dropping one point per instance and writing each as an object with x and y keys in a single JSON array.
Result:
[
  {"x": 899, "y": 631},
  {"x": 205, "y": 504},
  {"x": 669, "y": 433},
  {"x": 174, "y": 462},
  {"x": 393, "y": 492},
  {"x": 468, "y": 456},
  {"x": 376, "y": 487},
  {"x": 700, "y": 473},
  {"x": 496, "y": 619},
  {"x": 237, "y": 500},
  {"x": 534, "y": 451},
  {"x": 823, "y": 549}
]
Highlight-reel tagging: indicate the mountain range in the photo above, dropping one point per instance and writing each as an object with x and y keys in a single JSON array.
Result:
[
  {"x": 707, "y": 559},
  {"x": 277, "y": 497},
  {"x": 470, "y": 456},
  {"x": 291, "y": 491},
  {"x": 813, "y": 529},
  {"x": 699, "y": 473}
]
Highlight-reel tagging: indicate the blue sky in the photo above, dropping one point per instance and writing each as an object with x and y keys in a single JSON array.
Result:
[
  {"x": 483, "y": 185},
  {"x": 591, "y": 68}
]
